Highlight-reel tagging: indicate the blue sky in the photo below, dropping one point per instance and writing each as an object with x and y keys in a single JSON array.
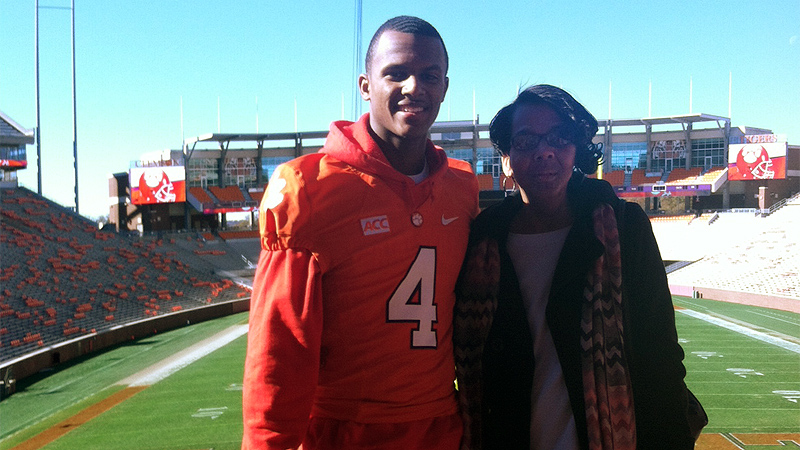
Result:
[{"x": 136, "y": 60}]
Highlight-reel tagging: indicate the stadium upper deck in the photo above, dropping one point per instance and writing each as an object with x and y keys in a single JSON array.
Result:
[
  {"x": 699, "y": 161},
  {"x": 13, "y": 139}
]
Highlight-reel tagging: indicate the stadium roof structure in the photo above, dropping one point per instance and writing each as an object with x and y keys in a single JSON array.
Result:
[
  {"x": 225, "y": 138},
  {"x": 13, "y": 133},
  {"x": 668, "y": 120}
]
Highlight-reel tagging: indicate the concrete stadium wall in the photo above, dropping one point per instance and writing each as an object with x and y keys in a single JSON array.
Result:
[
  {"x": 58, "y": 354},
  {"x": 746, "y": 298}
]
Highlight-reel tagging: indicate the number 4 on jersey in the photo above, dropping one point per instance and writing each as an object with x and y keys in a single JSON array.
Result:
[{"x": 412, "y": 300}]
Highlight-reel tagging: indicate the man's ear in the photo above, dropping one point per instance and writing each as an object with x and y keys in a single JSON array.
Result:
[
  {"x": 363, "y": 86},
  {"x": 506, "y": 161}
]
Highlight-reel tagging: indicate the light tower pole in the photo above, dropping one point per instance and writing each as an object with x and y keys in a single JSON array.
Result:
[
  {"x": 74, "y": 112},
  {"x": 356, "y": 106},
  {"x": 38, "y": 114},
  {"x": 38, "y": 102}
]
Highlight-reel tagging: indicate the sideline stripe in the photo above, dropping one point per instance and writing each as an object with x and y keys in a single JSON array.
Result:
[
  {"x": 51, "y": 434},
  {"x": 137, "y": 383},
  {"x": 749, "y": 332},
  {"x": 185, "y": 357}
]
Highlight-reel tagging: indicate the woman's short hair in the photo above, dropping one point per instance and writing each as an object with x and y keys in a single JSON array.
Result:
[{"x": 581, "y": 123}]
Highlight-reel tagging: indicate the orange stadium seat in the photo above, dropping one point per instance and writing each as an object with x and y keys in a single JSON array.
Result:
[
  {"x": 616, "y": 177},
  {"x": 712, "y": 174},
  {"x": 639, "y": 177},
  {"x": 257, "y": 195},
  {"x": 54, "y": 272},
  {"x": 486, "y": 182},
  {"x": 673, "y": 218},
  {"x": 680, "y": 174},
  {"x": 245, "y": 234},
  {"x": 228, "y": 194},
  {"x": 200, "y": 194}
]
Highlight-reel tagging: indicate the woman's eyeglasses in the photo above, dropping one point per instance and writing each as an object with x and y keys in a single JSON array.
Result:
[{"x": 527, "y": 142}]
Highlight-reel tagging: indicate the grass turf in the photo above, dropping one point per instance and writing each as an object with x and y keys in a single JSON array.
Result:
[
  {"x": 199, "y": 407},
  {"x": 43, "y": 400},
  {"x": 745, "y": 385}
]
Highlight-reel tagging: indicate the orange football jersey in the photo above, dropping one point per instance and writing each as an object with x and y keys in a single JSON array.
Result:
[{"x": 359, "y": 271}]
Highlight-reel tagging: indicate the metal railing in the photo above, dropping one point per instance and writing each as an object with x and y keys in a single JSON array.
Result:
[{"x": 778, "y": 205}]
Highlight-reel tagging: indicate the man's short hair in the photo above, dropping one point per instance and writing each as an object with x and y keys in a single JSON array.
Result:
[{"x": 404, "y": 24}]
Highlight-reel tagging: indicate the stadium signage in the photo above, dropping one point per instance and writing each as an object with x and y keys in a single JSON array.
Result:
[
  {"x": 13, "y": 163},
  {"x": 758, "y": 139},
  {"x": 150, "y": 185},
  {"x": 156, "y": 163},
  {"x": 225, "y": 210},
  {"x": 757, "y": 161}
]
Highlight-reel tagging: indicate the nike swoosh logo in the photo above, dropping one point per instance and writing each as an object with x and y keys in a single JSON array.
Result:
[{"x": 448, "y": 221}]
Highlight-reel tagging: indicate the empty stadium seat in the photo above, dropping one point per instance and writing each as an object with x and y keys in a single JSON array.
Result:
[
  {"x": 229, "y": 194},
  {"x": 63, "y": 279}
]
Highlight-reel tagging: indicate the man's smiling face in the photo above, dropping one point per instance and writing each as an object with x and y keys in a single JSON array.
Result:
[{"x": 405, "y": 85}]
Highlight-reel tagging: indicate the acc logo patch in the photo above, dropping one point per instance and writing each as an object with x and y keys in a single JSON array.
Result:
[{"x": 375, "y": 225}]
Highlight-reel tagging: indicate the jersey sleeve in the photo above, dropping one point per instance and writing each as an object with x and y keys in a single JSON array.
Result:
[
  {"x": 286, "y": 219},
  {"x": 283, "y": 349}
]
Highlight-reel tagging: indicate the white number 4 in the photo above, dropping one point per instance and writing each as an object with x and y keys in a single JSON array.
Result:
[{"x": 404, "y": 307}]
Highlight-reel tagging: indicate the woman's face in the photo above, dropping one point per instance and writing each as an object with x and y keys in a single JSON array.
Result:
[{"x": 542, "y": 155}]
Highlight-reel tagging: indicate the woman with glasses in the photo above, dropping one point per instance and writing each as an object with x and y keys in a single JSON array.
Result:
[{"x": 565, "y": 331}]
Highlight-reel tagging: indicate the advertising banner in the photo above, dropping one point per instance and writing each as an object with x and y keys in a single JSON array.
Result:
[
  {"x": 157, "y": 185},
  {"x": 13, "y": 163},
  {"x": 757, "y": 161}
]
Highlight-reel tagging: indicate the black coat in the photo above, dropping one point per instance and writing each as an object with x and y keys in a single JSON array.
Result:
[{"x": 651, "y": 343}]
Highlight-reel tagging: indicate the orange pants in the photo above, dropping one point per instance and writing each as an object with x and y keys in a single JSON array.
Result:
[{"x": 437, "y": 433}]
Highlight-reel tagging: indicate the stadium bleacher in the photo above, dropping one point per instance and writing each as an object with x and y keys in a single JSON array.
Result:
[
  {"x": 229, "y": 194},
  {"x": 741, "y": 252},
  {"x": 486, "y": 182},
  {"x": 200, "y": 194},
  {"x": 63, "y": 278},
  {"x": 682, "y": 175},
  {"x": 639, "y": 177},
  {"x": 257, "y": 196},
  {"x": 711, "y": 175},
  {"x": 616, "y": 177}
]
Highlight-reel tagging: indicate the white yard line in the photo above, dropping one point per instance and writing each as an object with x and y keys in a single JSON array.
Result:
[
  {"x": 775, "y": 317},
  {"x": 185, "y": 357},
  {"x": 763, "y": 337}
]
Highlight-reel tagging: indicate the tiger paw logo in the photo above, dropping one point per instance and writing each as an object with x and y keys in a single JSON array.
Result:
[{"x": 275, "y": 194}]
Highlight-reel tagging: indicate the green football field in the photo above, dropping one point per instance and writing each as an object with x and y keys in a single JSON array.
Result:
[{"x": 743, "y": 364}]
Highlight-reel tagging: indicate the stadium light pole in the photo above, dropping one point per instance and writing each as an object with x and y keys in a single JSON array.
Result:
[
  {"x": 356, "y": 106},
  {"x": 38, "y": 106},
  {"x": 74, "y": 112},
  {"x": 38, "y": 114}
]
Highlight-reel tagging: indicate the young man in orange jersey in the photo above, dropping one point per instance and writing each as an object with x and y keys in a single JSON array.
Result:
[{"x": 350, "y": 342}]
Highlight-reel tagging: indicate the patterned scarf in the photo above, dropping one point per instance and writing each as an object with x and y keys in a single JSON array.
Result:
[
  {"x": 474, "y": 311},
  {"x": 606, "y": 381}
]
